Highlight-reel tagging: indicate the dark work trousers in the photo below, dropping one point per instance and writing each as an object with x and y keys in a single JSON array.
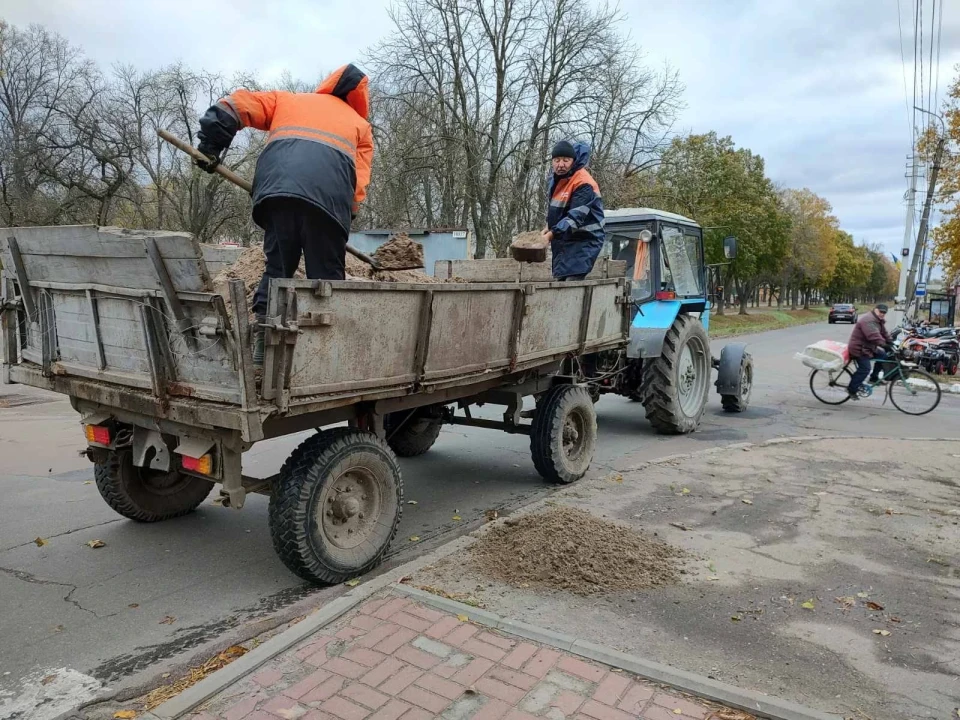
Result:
[
  {"x": 572, "y": 277},
  {"x": 863, "y": 369},
  {"x": 293, "y": 227}
]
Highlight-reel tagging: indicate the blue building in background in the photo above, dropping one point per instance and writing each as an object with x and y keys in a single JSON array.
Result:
[{"x": 438, "y": 244}]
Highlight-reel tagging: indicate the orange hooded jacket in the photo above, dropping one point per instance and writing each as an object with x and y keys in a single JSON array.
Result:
[{"x": 320, "y": 146}]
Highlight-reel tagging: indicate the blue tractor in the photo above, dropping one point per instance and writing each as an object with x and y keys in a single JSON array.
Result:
[{"x": 667, "y": 364}]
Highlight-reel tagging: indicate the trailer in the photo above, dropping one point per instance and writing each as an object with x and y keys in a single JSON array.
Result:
[{"x": 160, "y": 371}]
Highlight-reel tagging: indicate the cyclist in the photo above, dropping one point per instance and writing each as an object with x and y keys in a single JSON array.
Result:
[{"x": 869, "y": 341}]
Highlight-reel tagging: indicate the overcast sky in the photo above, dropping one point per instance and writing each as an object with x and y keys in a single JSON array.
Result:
[{"x": 814, "y": 86}]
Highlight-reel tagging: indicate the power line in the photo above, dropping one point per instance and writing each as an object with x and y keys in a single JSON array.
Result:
[
  {"x": 936, "y": 95},
  {"x": 913, "y": 123},
  {"x": 933, "y": 17},
  {"x": 903, "y": 66}
]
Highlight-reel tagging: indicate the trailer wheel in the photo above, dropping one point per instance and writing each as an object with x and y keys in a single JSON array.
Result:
[
  {"x": 147, "y": 495},
  {"x": 563, "y": 436},
  {"x": 676, "y": 384},
  {"x": 739, "y": 402},
  {"x": 337, "y": 504},
  {"x": 413, "y": 432}
]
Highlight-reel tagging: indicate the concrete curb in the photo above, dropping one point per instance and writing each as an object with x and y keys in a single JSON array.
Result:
[
  {"x": 734, "y": 697},
  {"x": 198, "y": 694}
]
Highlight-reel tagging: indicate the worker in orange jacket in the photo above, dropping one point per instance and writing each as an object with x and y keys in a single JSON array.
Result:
[{"x": 310, "y": 178}]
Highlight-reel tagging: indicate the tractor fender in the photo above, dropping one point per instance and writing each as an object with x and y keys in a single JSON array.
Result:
[
  {"x": 649, "y": 327},
  {"x": 728, "y": 369}
]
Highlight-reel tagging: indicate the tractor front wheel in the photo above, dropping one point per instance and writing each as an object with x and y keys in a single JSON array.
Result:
[{"x": 676, "y": 384}]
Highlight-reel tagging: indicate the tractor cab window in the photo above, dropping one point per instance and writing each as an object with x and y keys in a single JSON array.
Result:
[
  {"x": 626, "y": 245},
  {"x": 680, "y": 262}
]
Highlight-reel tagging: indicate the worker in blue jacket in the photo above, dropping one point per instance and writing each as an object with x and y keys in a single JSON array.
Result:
[{"x": 575, "y": 214}]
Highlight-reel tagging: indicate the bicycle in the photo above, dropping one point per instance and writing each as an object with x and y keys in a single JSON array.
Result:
[{"x": 910, "y": 390}]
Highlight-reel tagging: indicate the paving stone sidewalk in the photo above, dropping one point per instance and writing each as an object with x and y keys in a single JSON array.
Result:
[{"x": 394, "y": 659}]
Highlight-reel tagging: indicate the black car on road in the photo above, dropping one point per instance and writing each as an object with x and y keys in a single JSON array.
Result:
[{"x": 842, "y": 312}]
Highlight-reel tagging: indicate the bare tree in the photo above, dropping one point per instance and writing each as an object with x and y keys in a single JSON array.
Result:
[
  {"x": 491, "y": 84},
  {"x": 38, "y": 71}
]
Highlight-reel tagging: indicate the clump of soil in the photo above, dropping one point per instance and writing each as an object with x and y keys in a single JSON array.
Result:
[
  {"x": 400, "y": 253},
  {"x": 569, "y": 549},
  {"x": 249, "y": 268},
  {"x": 529, "y": 247}
]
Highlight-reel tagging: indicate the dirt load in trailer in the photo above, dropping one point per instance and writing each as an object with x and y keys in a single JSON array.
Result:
[{"x": 159, "y": 367}]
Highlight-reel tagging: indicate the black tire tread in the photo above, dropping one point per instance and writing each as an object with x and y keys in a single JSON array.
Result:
[
  {"x": 407, "y": 444},
  {"x": 926, "y": 376},
  {"x": 289, "y": 505},
  {"x": 547, "y": 425},
  {"x": 110, "y": 482},
  {"x": 659, "y": 389},
  {"x": 735, "y": 403}
]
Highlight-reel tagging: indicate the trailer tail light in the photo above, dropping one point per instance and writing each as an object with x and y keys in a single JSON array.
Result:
[
  {"x": 98, "y": 434},
  {"x": 666, "y": 295},
  {"x": 202, "y": 465}
]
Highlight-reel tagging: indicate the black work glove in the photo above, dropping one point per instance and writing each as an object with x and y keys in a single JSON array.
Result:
[{"x": 213, "y": 157}]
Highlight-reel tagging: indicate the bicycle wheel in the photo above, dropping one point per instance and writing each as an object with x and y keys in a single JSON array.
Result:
[
  {"x": 830, "y": 386},
  {"x": 915, "y": 392}
]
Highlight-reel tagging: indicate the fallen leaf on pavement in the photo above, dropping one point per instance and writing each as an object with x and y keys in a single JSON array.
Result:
[
  {"x": 736, "y": 618},
  {"x": 731, "y": 714},
  {"x": 685, "y": 491},
  {"x": 884, "y": 633},
  {"x": 59, "y": 628},
  {"x": 457, "y": 517},
  {"x": 168, "y": 620},
  {"x": 414, "y": 538},
  {"x": 891, "y": 511},
  {"x": 40, "y": 542},
  {"x": 462, "y": 618},
  {"x": 352, "y": 583},
  {"x": 808, "y": 605},
  {"x": 88, "y": 482},
  {"x": 938, "y": 561},
  {"x": 125, "y": 715},
  {"x": 491, "y": 515},
  {"x": 677, "y": 711},
  {"x": 894, "y": 618},
  {"x": 133, "y": 606},
  {"x": 165, "y": 675},
  {"x": 48, "y": 679},
  {"x": 96, "y": 544},
  {"x": 617, "y": 478},
  {"x": 874, "y": 606},
  {"x": 681, "y": 526},
  {"x": 746, "y": 502},
  {"x": 412, "y": 502},
  {"x": 847, "y": 601},
  {"x": 714, "y": 577},
  {"x": 862, "y": 595}
]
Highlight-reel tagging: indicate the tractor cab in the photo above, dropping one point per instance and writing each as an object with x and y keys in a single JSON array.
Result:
[{"x": 664, "y": 256}]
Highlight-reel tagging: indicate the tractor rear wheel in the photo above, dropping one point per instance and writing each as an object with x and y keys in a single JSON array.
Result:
[{"x": 676, "y": 384}]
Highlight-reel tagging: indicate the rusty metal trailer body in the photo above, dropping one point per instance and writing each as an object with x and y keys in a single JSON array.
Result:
[{"x": 160, "y": 369}]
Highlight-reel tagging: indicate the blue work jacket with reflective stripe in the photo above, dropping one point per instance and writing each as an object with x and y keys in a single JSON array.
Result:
[{"x": 575, "y": 216}]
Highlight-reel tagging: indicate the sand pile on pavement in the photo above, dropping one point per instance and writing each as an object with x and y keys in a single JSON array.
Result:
[
  {"x": 399, "y": 252},
  {"x": 569, "y": 549}
]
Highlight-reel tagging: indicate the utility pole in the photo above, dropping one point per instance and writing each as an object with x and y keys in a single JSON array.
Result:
[
  {"x": 924, "y": 223},
  {"x": 907, "y": 233}
]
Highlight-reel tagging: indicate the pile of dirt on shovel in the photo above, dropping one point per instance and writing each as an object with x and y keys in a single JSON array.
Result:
[
  {"x": 569, "y": 549},
  {"x": 531, "y": 239}
]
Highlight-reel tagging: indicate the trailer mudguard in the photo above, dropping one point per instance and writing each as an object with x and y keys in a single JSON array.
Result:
[
  {"x": 728, "y": 372},
  {"x": 649, "y": 327}
]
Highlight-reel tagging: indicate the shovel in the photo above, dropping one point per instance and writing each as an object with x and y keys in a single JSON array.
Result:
[{"x": 240, "y": 182}]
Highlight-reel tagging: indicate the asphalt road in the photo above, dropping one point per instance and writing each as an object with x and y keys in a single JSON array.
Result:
[{"x": 157, "y": 595}]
